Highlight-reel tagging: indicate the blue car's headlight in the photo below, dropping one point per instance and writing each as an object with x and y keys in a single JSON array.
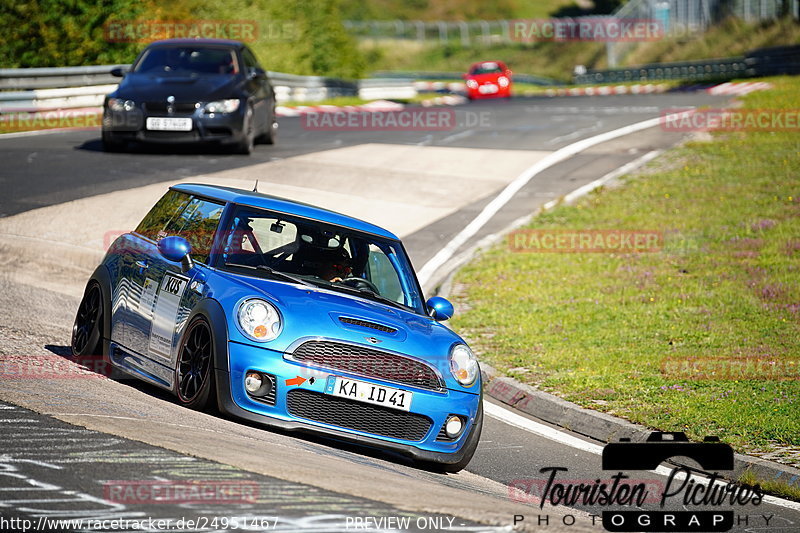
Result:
[
  {"x": 463, "y": 365},
  {"x": 120, "y": 104},
  {"x": 222, "y": 106},
  {"x": 259, "y": 320}
]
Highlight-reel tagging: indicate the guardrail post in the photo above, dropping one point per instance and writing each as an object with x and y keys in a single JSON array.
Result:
[
  {"x": 442, "y": 31},
  {"x": 420, "y": 30},
  {"x": 506, "y": 28},
  {"x": 464, "y": 34},
  {"x": 486, "y": 31}
]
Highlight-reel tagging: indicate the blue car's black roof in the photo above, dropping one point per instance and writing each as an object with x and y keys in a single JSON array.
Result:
[{"x": 282, "y": 205}]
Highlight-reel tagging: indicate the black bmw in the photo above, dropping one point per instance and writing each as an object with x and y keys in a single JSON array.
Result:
[{"x": 192, "y": 90}]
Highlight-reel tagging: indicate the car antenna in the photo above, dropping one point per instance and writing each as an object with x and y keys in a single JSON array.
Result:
[{"x": 255, "y": 187}]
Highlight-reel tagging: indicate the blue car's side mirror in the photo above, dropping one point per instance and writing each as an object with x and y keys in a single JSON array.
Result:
[
  {"x": 177, "y": 249},
  {"x": 440, "y": 308}
]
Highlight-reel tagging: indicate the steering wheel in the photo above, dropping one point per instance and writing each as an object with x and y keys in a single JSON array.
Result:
[{"x": 361, "y": 283}]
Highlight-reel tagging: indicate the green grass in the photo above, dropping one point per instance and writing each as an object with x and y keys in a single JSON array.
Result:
[
  {"x": 778, "y": 488},
  {"x": 595, "y": 328},
  {"x": 557, "y": 60}
]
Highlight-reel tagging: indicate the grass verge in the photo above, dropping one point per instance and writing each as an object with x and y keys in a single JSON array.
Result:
[{"x": 597, "y": 328}]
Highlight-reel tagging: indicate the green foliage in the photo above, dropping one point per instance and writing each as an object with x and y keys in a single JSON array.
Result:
[
  {"x": 46, "y": 33},
  {"x": 430, "y": 10},
  {"x": 295, "y": 36}
]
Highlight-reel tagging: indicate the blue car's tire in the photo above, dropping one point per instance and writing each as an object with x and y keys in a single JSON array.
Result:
[
  {"x": 87, "y": 330},
  {"x": 194, "y": 370}
]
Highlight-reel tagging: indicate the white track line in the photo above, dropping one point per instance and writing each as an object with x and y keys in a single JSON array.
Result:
[
  {"x": 447, "y": 252},
  {"x": 521, "y": 422}
]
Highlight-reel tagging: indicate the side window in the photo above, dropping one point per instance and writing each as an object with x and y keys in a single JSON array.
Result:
[
  {"x": 163, "y": 213},
  {"x": 197, "y": 223},
  {"x": 382, "y": 273},
  {"x": 249, "y": 59}
]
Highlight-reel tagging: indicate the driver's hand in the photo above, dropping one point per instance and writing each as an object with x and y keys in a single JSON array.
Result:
[{"x": 336, "y": 280}]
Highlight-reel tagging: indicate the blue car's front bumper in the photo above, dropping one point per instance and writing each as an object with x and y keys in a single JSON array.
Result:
[{"x": 435, "y": 406}]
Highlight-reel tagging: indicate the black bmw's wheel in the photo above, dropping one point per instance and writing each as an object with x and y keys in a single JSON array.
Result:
[
  {"x": 247, "y": 143},
  {"x": 270, "y": 135},
  {"x": 194, "y": 371},
  {"x": 111, "y": 143},
  {"x": 87, "y": 331}
]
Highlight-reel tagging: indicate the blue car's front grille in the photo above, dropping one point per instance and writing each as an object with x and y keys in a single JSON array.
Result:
[
  {"x": 357, "y": 415},
  {"x": 368, "y": 362}
]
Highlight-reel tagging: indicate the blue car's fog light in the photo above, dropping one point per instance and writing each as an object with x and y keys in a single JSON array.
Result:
[
  {"x": 454, "y": 426},
  {"x": 252, "y": 382}
]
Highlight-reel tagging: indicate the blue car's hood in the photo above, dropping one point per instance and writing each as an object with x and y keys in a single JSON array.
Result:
[
  {"x": 316, "y": 312},
  {"x": 150, "y": 87}
]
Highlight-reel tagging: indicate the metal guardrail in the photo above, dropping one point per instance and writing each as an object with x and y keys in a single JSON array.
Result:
[
  {"x": 759, "y": 62},
  {"x": 430, "y": 75},
  {"x": 684, "y": 70},
  {"x": 28, "y": 89}
]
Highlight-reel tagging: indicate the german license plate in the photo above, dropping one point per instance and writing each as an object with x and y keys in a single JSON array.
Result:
[
  {"x": 489, "y": 88},
  {"x": 169, "y": 124},
  {"x": 369, "y": 393}
]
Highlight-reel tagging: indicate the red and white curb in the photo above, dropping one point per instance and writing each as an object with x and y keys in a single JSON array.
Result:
[
  {"x": 739, "y": 88},
  {"x": 605, "y": 90}
]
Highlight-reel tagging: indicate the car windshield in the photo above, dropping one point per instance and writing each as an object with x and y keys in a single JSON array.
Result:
[
  {"x": 188, "y": 60},
  {"x": 278, "y": 246},
  {"x": 487, "y": 68}
]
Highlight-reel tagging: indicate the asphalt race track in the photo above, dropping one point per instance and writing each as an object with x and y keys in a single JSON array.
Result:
[{"x": 67, "y": 442}]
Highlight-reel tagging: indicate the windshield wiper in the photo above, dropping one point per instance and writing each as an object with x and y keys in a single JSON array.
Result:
[
  {"x": 273, "y": 272},
  {"x": 369, "y": 294}
]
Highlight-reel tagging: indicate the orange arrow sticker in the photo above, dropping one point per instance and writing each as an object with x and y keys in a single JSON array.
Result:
[{"x": 295, "y": 381}]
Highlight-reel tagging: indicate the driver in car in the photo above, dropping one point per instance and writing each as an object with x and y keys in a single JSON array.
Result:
[{"x": 333, "y": 265}]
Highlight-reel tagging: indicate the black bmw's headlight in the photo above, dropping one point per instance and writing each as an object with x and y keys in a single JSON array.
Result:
[
  {"x": 222, "y": 106},
  {"x": 120, "y": 104}
]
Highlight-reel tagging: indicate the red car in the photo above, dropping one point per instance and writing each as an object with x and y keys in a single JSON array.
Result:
[{"x": 488, "y": 79}]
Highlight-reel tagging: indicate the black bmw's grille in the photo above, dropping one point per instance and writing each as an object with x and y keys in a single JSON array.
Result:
[
  {"x": 357, "y": 415},
  {"x": 366, "y": 324},
  {"x": 368, "y": 362},
  {"x": 182, "y": 108}
]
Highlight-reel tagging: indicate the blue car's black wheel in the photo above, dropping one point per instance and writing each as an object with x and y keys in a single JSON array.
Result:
[
  {"x": 87, "y": 335},
  {"x": 193, "y": 373}
]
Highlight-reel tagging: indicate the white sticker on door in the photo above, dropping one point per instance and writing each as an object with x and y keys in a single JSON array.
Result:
[
  {"x": 165, "y": 314},
  {"x": 148, "y": 298}
]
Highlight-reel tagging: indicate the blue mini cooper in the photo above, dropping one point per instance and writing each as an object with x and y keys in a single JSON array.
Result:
[{"x": 288, "y": 315}]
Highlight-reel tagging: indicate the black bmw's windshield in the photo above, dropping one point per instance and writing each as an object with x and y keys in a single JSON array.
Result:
[
  {"x": 263, "y": 243},
  {"x": 188, "y": 61}
]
